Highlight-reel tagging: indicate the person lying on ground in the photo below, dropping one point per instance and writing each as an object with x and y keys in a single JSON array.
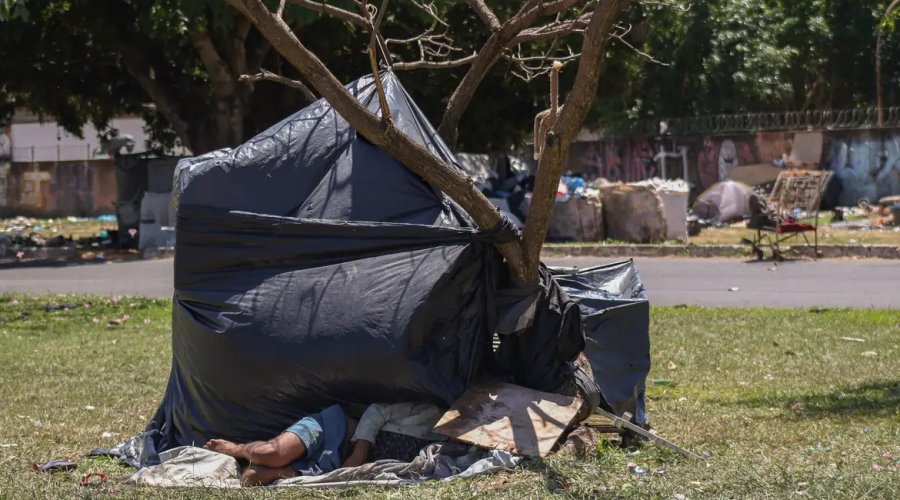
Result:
[
  {"x": 393, "y": 432},
  {"x": 314, "y": 445},
  {"x": 320, "y": 443}
]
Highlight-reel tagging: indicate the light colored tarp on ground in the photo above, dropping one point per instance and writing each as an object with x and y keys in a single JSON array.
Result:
[
  {"x": 189, "y": 466},
  {"x": 724, "y": 201}
]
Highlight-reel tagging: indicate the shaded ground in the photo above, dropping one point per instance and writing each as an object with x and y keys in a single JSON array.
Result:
[
  {"x": 670, "y": 281},
  {"x": 785, "y": 407}
]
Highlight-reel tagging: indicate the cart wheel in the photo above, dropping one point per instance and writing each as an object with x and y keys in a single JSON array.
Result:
[{"x": 758, "y": 253}]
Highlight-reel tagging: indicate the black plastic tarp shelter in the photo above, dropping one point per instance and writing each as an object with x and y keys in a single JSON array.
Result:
[{"x": 312, "y": 268}]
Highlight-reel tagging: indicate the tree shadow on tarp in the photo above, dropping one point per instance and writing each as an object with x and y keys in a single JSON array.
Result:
[{"x": 870, "y": 399}]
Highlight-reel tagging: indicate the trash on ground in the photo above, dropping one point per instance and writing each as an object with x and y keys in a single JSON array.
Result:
[{"x": 56, "y": 465}]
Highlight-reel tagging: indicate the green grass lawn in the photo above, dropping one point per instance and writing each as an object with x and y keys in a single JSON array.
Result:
[{"x": 784, "y": 406}]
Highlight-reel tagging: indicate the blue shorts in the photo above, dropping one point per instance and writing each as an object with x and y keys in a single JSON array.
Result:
[{"x": 323, "y": 434}]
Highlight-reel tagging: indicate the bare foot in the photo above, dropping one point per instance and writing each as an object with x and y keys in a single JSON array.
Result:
[{"x": 226, "y": 447}]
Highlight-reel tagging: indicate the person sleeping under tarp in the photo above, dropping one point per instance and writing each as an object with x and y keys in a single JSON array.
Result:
[{"x": 328, "y": 440}]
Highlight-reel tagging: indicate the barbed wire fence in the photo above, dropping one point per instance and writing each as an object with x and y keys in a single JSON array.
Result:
[{"x": 821, "y": 120}]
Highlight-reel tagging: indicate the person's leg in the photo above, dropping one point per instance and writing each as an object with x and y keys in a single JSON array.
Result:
[
  {"x": 274, "y": 453},
  {"x": 258, "y": 475}
]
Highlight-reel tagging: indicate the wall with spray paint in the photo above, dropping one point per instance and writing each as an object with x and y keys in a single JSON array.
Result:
[{"x": 866, "y": 163}]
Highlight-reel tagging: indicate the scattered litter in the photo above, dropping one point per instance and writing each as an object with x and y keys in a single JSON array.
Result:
[
  {"x": 682, "y": 399},
  {"x": 89, "y": 407},
  {"x": 772, "y": 269},
  {"x": 663, "y": 382},
  {"x": 888, "y": 455},
  {"x": 146, "y": 321},
  {"x": 118, "y": 321},
  {"x": 867, "y": 430},
  {"x": 54, "y": 466},
  {"x": 798, "y": 406},
  {"x": 8, "y": 445},
  {"x": 635, "y": 468},
  {"x": 60, "y": 307},
  {"x": 769, "y": 377},
  {"x": 94, "y": 479},
  {"x": 108, "y": 434},
  {"x": 633, "y": 453},
  {"x": 853, "y": 339},
  {"x": 818, "y": 448},
  {"x": 38, "y": 423},
  {"x": 672, "y": 366},
  {"x": 679, "y": 496},
  {"x": 15, "y": 302},
  {"x": 876, "y": 467},
  {"x": 869, "y": 354},
  {"x": 734, "y": 289}
]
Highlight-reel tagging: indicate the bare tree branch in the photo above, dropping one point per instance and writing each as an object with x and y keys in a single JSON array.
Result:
[
  {"x": 552, "y": 31},
  {"x": 638, "y": 51},
  {"x": 422, "y": 64},
  {"x": 374, "y": 19},
  {"x": 383, "y": 134},
  {"x": 274, "y": 77},
  {"x": 488, "y": 55},
  {"x": 485, "y": 13},
  {"x": 561, "y": 134},
  {"x": 331, "y": 10},
  {"x": 528, "y": 70}
]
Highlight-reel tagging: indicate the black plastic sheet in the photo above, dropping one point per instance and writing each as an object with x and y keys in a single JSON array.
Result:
[
  {"x": 615, "y": 317},
  {"x": 312, "y": 268}
]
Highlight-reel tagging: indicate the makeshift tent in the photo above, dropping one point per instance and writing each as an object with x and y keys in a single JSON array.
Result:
[
  {"x": 724, "y": 201},
  {"x": 312, "y": 268}
]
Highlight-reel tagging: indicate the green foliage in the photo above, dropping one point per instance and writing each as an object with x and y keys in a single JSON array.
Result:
[
  {"x": 730, "y": 56},
  {"x": 784, "y": 406},
  {"x": 720, "y": 56}
]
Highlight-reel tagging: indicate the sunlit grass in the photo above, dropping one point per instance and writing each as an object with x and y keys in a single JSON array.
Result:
[{"x": 784, "y": 406}]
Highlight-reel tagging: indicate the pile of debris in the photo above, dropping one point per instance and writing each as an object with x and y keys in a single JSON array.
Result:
[
  {"x": 24, "y": 238},
  {"x": 642, "y": 212}
]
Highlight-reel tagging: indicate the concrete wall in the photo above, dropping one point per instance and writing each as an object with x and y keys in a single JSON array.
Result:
[
  {"x": 866, "y": 162},
  {"x": 35, "y": 141},
  {"x": 80, "y": 188}
]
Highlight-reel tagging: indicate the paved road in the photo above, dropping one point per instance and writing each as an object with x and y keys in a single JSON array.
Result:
[{"x": 670, "y": 281}]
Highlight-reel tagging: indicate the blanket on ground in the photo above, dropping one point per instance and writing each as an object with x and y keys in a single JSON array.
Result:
[{"x": 191, "y": 466}]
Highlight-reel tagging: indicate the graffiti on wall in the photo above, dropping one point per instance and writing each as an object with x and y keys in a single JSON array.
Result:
[
  {"x": 618, "y": 160},
  {"x": 629, "y": 160},
  {"x": 867, "y": 165}
]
